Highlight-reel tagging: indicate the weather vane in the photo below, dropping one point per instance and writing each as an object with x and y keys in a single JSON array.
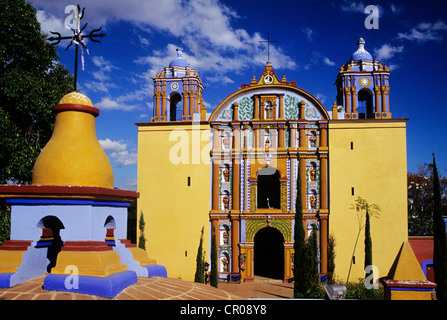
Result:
[
  {"x": 268, "y": 45},
  {"x": 78, "y": 37}
]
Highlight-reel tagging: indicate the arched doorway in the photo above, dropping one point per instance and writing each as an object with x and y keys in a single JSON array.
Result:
[
  {"x": 269, "y": 188},
  {"x": 50, "y": 238},
  {"x": 269, "y": 253}
]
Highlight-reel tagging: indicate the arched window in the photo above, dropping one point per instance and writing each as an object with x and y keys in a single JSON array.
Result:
[
  {"x": 110, "y": 230},
  {"x": 269, "y": 188},
  {"x": 175, "y": 110},
  {"x": 365, "y": 104}
]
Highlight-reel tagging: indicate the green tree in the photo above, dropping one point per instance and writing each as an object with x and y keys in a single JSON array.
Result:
[
  {"x": 213, "y": 273},
  {"x": 31, "y": 83},
  {"x": 361, "y": 206},
  {"x": 200, "y": 265},
  {"x": 331, "y": 258},
  {"x": 368, "y": 244},
  {"x": 439, "y": 239},
  {"x": 420, "y": 200},
  {"x": 5, "y": 222},
  {"x": 299, "y": 243},
  {"x": 141, "y": 238},
  {"x": 312, "y": 279}
]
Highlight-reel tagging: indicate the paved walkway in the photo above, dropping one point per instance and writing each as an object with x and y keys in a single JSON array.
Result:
[
  {"x": 155, "y": 288},
  {"x": 260, "y": 288}
]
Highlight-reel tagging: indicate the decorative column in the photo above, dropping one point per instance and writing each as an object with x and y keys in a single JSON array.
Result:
[
  {"x": 323, "y": 183},
  {"x": 236, "y": 167},
  {"x": 302, "y": 165},
  {"x": 235, "y": 111},
  {"x": 216, "y": 171},
  {"x": 293, "y": 136},
  {"x": 354, "y": 99},
  {"x": 384, "y": 98},
  {"x": 347, "y": 100},
  {"x": 302, "y": 136},
  {"x": 157, "y": 104},
  {"x": 281, "y": 107},
  {"x": 302, "y": 106},
  {"x": 163, "y": 105},
  {"x": 185, "y": 105},
  {"x": 323, "y": 244},
  {"x": 377, "y": 99},
  {"x": 256, "y": 111},
  {"x": 281, "y": 136},
  {"x": 191, "y": 103},
  {"x": 235, "y": 244}
]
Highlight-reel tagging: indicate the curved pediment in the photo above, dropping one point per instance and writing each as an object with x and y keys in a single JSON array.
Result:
[
  {"x": 291, "y": 96},
  {"x": 269, "y": 89}
]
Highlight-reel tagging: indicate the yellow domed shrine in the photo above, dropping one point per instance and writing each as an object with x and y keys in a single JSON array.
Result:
[{"x": 73, "y": 155}]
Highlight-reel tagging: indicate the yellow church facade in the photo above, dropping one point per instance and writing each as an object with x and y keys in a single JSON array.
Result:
[{"x": 234, "y": 172}]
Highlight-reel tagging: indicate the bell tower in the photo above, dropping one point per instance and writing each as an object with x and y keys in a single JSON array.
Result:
[
  {"x": 178, "y": 93},
  {"x": 363, "y": 86}
]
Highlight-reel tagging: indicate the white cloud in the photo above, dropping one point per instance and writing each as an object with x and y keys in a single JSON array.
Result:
[
  {"x": 328, "y": 61},
  {"x": 124, "y": 158},
  {"x": 425, "y": 31},
  {"x": 205, "y": 27},
  {"x": 213, "y": 43},
  {"x": 48, "y": 22},
  {"x": 308, "y": 32},
  {"x": 321, "y": 97},
  {"x": 114, "y": 146},
  {"x": 395, "y": 9},
  {"x": 118, "y": 152},
  {"x": 96, "y": 86},
  {"x": 387, "y": 51},
  {"x": 108, "y": 103},
  {"x": 353, "y": 7}
]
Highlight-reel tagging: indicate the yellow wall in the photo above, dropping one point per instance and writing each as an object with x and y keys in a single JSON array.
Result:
[
  {"x": 377, "y": 169},
  {"x": 174, "y": 212}
]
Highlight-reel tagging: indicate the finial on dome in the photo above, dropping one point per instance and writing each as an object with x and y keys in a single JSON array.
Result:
[
  {"x": 179, "y": 61},
  {"x": 361, "y": 53}
]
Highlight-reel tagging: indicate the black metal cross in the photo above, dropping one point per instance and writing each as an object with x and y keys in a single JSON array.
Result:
[
  {"x": 268, "y": 45},
  {"x": 77, "y": 38}
]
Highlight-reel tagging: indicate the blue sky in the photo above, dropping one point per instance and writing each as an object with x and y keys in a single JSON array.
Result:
[{"x": 221, "y": 40}]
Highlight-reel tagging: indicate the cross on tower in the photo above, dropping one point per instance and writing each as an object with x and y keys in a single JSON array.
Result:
[
  {"x": 268, "y": 45},
  {"x": 77, "y": 38}
]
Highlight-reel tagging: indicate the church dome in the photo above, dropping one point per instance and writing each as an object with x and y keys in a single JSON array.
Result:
[
  {"x": 179, "y": 61},
  {"x": 361, "y": 53}
]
